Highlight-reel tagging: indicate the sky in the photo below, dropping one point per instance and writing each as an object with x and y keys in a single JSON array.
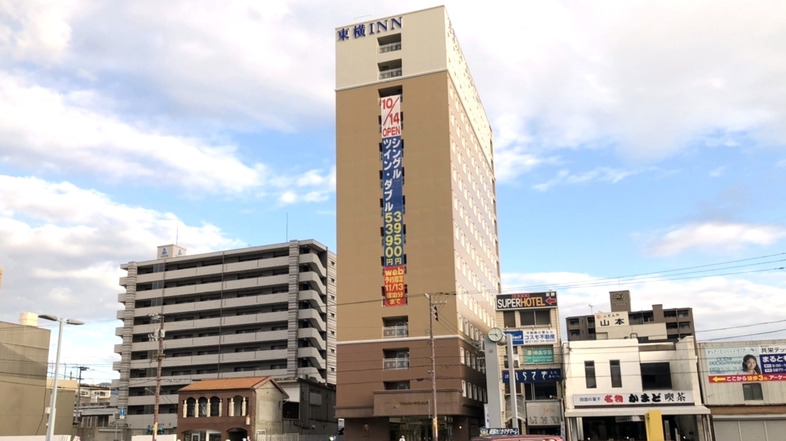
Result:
[{"x": 639, "y": 145}]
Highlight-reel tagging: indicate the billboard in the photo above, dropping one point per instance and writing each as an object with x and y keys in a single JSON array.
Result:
[
  {"x": 649, "y": 398},
  {"x": 536, "y": 355},
  {"x": 611, "y": 319},
  {"x": 532, "y": 336},
  {"x": 394, "y": 268},
  {"x": 526, "y": 300},
  {"x": 544, "y": 413},
  {"x": 533, "y": 375},
  {"x": 746, "y": 363}
]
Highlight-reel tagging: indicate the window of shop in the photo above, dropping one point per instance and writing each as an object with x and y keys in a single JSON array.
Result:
[
  {"x": 655, "y": 376},
  {"x": 589, "y": 374},
  {"x": 752, "y": 391},
  {"x": 616, "y": 375}
]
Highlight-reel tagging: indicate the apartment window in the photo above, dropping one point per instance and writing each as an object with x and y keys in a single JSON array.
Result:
[
  {"x": 538, "y": 317},
  {"x": 540, "y": 391},
  {"x": 573, "y": 322},
  {"x": 509, "y": 318},
  {"x": 616, "y": 374},
  {"x": 752, "y": 391},
  {"x": 589, "y": 374},
  {"x": 655, "y": 376},
  {"x": 396, "y": 385}
]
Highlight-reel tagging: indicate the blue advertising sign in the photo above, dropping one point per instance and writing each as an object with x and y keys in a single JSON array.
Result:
[
  {"x": 533, "y": 375},
  {"x": 532, "y": 336}
]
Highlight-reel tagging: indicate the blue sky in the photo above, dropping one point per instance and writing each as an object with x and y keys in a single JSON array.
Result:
[{"x": 631, "y": 137}]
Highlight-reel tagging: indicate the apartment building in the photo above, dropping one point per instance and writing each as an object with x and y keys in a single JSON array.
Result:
[
  {"x": 259, "y": 311},
  {"x": 619, "y": 321},
  {"x": 416, "y": 223}
]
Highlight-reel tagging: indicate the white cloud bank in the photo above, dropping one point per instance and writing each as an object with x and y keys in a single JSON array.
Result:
[{"x": 717, "y": 236}]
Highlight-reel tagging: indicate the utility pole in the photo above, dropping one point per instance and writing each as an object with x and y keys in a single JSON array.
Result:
[
  {"x": 79, "y": 391},
  {"x": 158, "y": 336},
  {"x": 432, "y": 314}
]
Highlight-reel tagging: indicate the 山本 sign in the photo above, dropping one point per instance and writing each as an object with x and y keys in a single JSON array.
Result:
[
  {"x": 532, "y": 336},
  {"x": 746, "y": 363},
  {"x": 611, "y": 319},
  {"x": 527, "y": 300},
  {"x": 394, "y": 268},
  {"x": 649, "y": 398}
]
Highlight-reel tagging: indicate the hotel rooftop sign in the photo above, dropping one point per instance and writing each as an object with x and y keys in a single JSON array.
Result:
[{"x": 361, "y": 30}]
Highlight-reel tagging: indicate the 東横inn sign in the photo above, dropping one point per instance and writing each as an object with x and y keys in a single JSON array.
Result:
[{"x": 527, "y": 300}]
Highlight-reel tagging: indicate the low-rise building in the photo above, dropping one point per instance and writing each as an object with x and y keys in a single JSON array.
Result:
[
  {"x": 619, "y": 321},
  {"x": 232, "y": 408},
  {"x": 610, "y": 385},
  {"x": 744, "y": 386}
]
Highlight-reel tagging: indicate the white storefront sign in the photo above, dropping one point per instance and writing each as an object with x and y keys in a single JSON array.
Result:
[
  {"x": 648, "y": 398},
  {"x": 544, "y": 413}
]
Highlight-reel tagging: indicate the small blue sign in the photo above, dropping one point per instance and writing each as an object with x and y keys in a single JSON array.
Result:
[
  {"x": 122, "y": 411},
  {"x": 533, "y": 375}
]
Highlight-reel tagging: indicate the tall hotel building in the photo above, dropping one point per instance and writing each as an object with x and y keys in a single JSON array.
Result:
[
  {"x": 416, "y": 210},
  {"x": 259, "y": 311}
]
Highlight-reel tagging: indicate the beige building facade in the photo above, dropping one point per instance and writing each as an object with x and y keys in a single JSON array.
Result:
[{"x": 416, "y": 215}]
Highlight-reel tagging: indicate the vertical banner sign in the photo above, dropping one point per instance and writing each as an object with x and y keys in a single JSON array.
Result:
[{"x": 393, "y": 239}]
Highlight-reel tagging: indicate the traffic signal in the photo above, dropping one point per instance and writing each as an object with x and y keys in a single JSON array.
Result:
[{"x": 436, "y": 313}]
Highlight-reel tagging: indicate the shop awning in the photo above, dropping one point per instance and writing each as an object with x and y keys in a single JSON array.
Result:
[{"x": 629, "y": 411}]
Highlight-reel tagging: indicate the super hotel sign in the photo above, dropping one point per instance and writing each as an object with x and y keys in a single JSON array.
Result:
[
  {"x": 527, "y": 300},
  {"x": 361, "y": 30}
]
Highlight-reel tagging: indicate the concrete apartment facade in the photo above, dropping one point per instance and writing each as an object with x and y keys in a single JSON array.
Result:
[
  {"x": 416, "y": 215},
  {"x": 621, "y": 322},
  {"x": 610, "y": 385},
  {"x": 259, "y": 311},
  {"x": 744, "y": 386}
]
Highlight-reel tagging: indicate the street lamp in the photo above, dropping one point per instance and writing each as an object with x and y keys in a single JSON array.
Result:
[{"x": 50, "y": 428}]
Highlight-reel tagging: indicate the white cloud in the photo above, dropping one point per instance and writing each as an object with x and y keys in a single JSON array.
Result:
[
  {"x": 63, "y": 246},
  {"x": 717, "y": 172},
  {"x": 46, "y": 130},
  {"x": 35, "y": 30},
  {"x": 716, "y": 300},
  {"x": 714, "y": 236},
  {"x": 601, "y": 174}
]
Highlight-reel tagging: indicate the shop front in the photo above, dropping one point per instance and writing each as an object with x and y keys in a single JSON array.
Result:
[{"x": 621, "y": 417}]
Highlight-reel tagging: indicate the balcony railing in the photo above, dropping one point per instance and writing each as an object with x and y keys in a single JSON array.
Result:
[
  {"x": 395, "y": 331},
  {"x": 395, "y": 363},
  {"x": 390, "y": 47},
  {"x": 390, "y": 73}
]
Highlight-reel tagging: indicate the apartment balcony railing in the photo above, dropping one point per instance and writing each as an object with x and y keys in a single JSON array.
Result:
[
  {"x": 390, "y": 73},
  {"x": 395, "y": 363},
  {"x": 395, "y": 331},
  {"x": 390, "y": 47}
]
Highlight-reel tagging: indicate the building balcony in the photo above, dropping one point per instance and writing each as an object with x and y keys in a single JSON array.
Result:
[
  {"x": 314, "y": 298},
  {"x": 314, "y": 263},
  {"x": 390, "y": 47},
  {"x": 213, "y": 270},
  {"x": 196, "y": 360},
  {"x": 390, "y": 73},
  {"x": 395, "y": 331},
  {"x": 197, "y": 342},
  {"x": 149, "y": 400},
  {"x": 313, "y": 336},
  {"x": 313, "y": 317},
  {"x": 236, "y": 320},
  {"x": 215, "y": 305},
  {"x": 395, "y": 363},
  {"x": 315, "y": 280},
  {"x": 313, "y": 354},
  {"x": 310, "y": 372},
  {"x": 202, "y": 288}
]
